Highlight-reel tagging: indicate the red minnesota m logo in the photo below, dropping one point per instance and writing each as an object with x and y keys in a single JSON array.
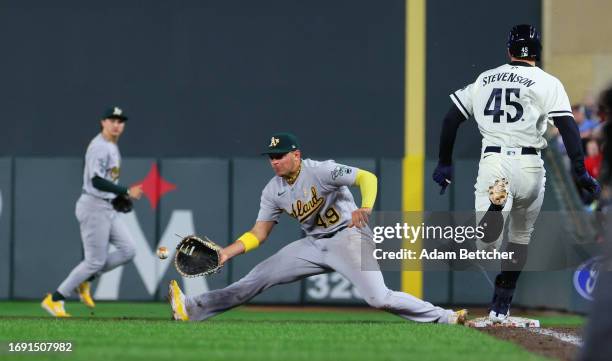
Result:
[{"x": 154, "y": 186}]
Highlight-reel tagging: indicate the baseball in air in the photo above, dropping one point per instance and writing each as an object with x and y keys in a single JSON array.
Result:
[{"x": 162, "y": 252}]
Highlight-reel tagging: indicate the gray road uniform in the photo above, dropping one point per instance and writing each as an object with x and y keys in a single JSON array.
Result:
[
  {"x": 100, "y": 224},
  {"x": 322, "y": 203}
]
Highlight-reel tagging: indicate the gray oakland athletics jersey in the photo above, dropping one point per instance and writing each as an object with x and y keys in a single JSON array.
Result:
[
  {"x": 319, "y": 199},
  {"x": 512, "y": 103},
  {"x": 102, "y": 159}
]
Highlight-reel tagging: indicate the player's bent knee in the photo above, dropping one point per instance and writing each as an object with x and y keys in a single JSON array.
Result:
[{"x": 95, "y": 265}]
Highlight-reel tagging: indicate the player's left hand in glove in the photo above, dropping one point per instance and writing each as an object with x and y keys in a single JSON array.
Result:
[
  {"x": 122, "y": 203},
  {"x": 590, "y": 184},
  {"x": 443, "y": 175},
  {"x": 197, "y": 257}
]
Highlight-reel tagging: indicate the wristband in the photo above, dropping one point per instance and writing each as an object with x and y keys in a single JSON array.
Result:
[{"x": 249, "y": 240}]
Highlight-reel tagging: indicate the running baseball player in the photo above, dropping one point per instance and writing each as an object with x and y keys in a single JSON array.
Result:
[
  {"x": 512, "y": 104},
  {"x": 99, "y": 222},
  {"x": 316, "y": 194}
]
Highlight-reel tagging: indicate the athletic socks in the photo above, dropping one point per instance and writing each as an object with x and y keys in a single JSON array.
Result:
[{"x": 56, "y": 296}]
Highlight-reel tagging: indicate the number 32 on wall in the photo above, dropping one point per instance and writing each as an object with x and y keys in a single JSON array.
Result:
[{"x": 331, "y": 286}]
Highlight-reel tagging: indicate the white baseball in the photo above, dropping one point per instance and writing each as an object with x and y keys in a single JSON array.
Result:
[{"x": 162, "y": 252}]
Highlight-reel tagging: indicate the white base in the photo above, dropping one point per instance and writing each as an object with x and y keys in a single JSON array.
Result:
[{"x": 516, "y": 322}]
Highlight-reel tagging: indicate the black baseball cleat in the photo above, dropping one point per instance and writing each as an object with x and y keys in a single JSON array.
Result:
[{"x": 500, "y": 306}]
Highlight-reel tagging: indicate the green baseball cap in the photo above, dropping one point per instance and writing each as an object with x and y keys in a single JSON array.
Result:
[
  {"x": 282, "y": 143},
  {"x": 115, "y": 113}
]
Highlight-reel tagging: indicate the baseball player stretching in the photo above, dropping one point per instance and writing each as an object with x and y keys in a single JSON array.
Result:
[
  {"x": 511, "y": 104},
  {"x": 316, "y": 194},
  {"x": 98, "y": 220}
]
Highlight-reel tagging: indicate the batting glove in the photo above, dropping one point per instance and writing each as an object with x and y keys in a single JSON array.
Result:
[
  {"x": 590, "y": 184},
  {"x": 443, "y": 175}
]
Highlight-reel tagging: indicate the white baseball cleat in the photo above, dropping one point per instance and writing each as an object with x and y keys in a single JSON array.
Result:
[
  {"x": 498, "y": 192},
  {"x": 498, "y": 317},
  {"x": 177, "y": 301},
  {"x": 458, "y": 317}
]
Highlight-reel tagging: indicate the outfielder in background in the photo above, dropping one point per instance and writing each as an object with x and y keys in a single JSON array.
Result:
[
  {"x": 512, "y": 104},
  {"x": 316, "y": 194},
  {"x": 98, "y": 219}
]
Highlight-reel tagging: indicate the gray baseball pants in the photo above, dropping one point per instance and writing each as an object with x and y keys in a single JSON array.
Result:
[
  {"x": 307, "y": 257},
  {"x": 100, "y": 226}
]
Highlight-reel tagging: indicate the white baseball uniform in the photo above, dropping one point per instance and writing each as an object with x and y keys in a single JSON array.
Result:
[{"x": 512, "y": 104}]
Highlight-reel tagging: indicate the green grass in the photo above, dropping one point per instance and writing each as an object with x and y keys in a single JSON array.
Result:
[
  {"x": 143, "y": 331},
  {"x": 561, "y": 321}
]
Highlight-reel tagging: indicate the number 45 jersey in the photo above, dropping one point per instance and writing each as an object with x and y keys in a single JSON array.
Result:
[
  {"x": 319, "y": 199},
  {"x": 512, "y": 104}
]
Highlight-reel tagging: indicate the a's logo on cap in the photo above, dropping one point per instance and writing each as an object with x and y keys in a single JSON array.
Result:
[
  {"x": 274, "y": 142},
  {"x": 117, "y": 111}
]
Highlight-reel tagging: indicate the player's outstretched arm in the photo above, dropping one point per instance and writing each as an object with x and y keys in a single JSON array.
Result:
[
  {"x": 248, "y": 241},
  {"x": 573, "y": 144},
  {"x": 135, "y": 192},
  {"x": 443, "y": 174},
  {"x": 368, "y": 185}
]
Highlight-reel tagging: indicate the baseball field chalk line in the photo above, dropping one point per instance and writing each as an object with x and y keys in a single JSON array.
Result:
[{"x": 574, "y": 340}]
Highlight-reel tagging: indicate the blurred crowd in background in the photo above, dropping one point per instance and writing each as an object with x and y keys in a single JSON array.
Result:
[{"x": 590, "y": 116}]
